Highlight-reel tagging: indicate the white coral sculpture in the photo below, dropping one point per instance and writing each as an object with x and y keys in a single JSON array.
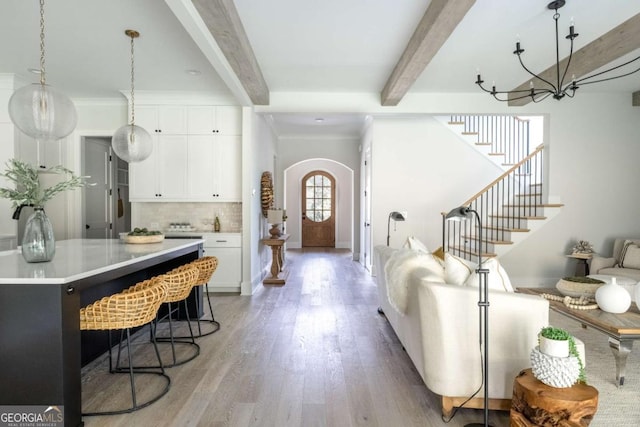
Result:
[{"x": 583, "y": 247}]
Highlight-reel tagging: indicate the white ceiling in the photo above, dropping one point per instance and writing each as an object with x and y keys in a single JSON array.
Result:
[{"x": 346, "y": 46}]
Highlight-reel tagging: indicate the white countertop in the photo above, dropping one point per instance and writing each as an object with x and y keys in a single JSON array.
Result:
[
  {"x": 199, "y": 233},
  {"x": 79, "y": 258}
]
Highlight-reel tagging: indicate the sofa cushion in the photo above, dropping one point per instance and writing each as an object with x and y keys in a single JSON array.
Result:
[
  {"x": 412, "y": 242},
  {"x": 497, "y": 277},
  {"x": 406, "y": 267},
  {"x": 456, "y": 269},
  {"x": 630, "y": 255}
]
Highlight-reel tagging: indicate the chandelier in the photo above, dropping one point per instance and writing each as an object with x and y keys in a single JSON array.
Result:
[
  {"x": 130, "y": 142},
  {"x": 562, "y": 86},
  {"x": 39, "y": 110}
]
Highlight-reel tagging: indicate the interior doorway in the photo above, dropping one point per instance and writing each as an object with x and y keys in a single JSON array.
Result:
[
  {"x": 318, "y": 210},
  {"x": 106, "y": 208}
]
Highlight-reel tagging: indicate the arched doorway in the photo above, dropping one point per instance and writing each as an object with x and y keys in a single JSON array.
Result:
[{"x": 318, "y": 210}]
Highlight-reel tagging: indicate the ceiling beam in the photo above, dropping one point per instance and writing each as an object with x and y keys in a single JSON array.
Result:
[
  {"x": 222, "y": 20},
  {"x": 435, "y": 27},
  {"x": 623, "y": 39}
]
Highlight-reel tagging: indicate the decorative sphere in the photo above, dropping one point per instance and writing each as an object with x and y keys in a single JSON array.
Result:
[
  {"x": 42, "y": 112},
  {"x": 132, "y": 143},
  {"x": 613, "y": 298}
]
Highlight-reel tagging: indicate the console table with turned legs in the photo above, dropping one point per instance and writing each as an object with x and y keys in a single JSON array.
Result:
[{"x": 278, "y": 274}]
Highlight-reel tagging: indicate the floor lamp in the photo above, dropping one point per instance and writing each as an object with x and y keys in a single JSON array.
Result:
[
  {"x": 460, "y": 214},
  {"x": 396, "y": 216}
]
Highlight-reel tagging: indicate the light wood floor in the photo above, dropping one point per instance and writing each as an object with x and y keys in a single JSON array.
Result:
[{"x": 311, "y": 353}]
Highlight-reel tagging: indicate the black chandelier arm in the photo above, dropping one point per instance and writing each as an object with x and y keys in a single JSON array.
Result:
[
  {"x": 584, "y": 81},
  {"x": 555, "y": 89},
  {"x": 566, "y": 69}
]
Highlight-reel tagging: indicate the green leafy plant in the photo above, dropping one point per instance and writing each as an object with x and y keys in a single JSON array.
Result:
[
  {"x": 558, "y": 334},
  {"x": 28, "y": 190},
  {"x": 583, "y": 279}
]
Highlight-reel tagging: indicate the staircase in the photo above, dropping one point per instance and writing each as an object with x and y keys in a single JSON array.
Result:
[{"x": 510, "y": 208}]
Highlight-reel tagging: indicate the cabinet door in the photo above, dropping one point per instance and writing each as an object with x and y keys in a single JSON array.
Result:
[
  {"x": 172, "y": 119},
  {"x": 146, "y": 118},
  {"x": 143, "y": 184},
  {"x": 229, "y": 271},
  {"x": 171, "y": 166},
  {"x": 202, "y": 168},
  {"x": 229, "y": 120},
  {"x": 201, "y": 120},
  {"x": 229, "y": 177}
]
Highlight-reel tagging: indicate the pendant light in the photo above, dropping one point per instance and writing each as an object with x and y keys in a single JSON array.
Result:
[
  {"x": 130, "y": 142},
  {"x": 39, "y": 110}
]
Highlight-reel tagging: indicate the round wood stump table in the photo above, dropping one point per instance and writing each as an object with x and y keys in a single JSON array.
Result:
[{"x": 537, "y": 404}]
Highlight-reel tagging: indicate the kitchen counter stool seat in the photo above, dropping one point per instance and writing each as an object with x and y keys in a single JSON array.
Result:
[
  {"x": 206, "y": 267},
  {"x": 123, "y": 311},
  {"x": 179, "y": 282}
]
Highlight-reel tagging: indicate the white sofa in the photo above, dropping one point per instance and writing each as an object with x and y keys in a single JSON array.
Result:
[{"x": 439, "y": 331}]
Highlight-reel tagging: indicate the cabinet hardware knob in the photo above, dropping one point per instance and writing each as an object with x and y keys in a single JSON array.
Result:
[{"x": 71, "y": 290}]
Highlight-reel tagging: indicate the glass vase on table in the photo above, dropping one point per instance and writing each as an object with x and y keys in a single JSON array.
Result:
[{"x": 38, "y": 242}]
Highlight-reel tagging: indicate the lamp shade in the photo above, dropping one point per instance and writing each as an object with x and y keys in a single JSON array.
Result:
[
  {"x": 42, "y": 112},
  {"x": 461, "y": 213},
  {"x": 274, "y": 216},
  {"x": 132, "y": 143}
]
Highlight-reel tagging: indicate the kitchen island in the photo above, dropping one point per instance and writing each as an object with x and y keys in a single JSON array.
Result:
[{"x": 41, "y": 346}]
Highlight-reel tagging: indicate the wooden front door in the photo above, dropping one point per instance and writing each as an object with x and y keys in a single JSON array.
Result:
[{"x": 318, "y": 210}]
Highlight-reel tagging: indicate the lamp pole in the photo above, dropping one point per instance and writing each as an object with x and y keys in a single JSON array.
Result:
[{"x": 460, "y": 214}]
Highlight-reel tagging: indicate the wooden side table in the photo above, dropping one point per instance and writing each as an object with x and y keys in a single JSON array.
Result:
[
  {"x": 537, "y": 404},
  {"x": 582, "y": 267},
  {"x": 278, "y": 274}
]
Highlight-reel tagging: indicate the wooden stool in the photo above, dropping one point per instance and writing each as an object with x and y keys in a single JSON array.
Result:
[
  {"x": 537, "y": 404},
  {"x": 123, "y": 311}
]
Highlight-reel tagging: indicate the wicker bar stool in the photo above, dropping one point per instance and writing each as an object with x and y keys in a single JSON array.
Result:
[
  {"x": 123, "y": 311},
  {"x": 206, "y": 267},
  {"x": 179, "y": 282}
]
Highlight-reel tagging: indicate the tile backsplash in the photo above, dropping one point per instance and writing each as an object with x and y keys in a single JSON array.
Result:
[{"x": 197, "y": 214}]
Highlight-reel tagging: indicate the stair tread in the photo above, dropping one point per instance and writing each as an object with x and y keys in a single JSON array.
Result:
[
  {"x": 469, "y": 133},
  {"x": 515, "y": 230},
  {"x": 456, "y": 123},
  {"x": 543, "y": 205},
  {"x": 490, "y": 241},
  {"x": 472, "y": 252},
  {"x": 496, "y": 154},
  {"x": 483, "y": 143},
  {"x": 519, "y": 217}
]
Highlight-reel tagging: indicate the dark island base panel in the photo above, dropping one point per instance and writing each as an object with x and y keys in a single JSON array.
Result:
[
  {"x": 40, "y": 339},
  {"x": 95, "y": 343}
]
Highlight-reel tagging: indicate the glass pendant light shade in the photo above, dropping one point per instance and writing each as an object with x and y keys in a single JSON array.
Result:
[
  {"x": 42, "y": 112},
  {"x": 132, "y": 143}
]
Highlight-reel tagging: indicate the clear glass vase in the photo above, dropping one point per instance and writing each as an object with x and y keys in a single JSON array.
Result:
[{"x": 38, "y": 243}]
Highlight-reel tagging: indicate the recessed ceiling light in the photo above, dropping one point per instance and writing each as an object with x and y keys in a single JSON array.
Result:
[
  {"x": 319, "y": 120},
  {"x": 193, "y": 72},
  {"x": 34, "y": 70}
]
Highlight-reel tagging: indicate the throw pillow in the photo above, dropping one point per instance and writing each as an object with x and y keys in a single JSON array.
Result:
[
  {"x": 412, "y": 242},
  {"x": 456, "y": 269},
  {"x": 403, "y": 268},
  {"x": 631, "y": 257},
  {"x": 497, "y": 278},
  {"x": 439, "y": 253},
  {"x": 623, "y": 251}
]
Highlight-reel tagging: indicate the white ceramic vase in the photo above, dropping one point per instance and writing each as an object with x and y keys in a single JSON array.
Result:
[
  {"x": 555, "y": 348},
  {"x": 613, "y": 298},
  {"x": 636, "y": 294}
]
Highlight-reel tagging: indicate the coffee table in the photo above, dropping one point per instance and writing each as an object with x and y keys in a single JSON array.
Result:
[{"x": 622, "y": 329}]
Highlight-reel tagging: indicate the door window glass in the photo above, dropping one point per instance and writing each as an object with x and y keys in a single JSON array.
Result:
[{"x": 318, "y": 192}]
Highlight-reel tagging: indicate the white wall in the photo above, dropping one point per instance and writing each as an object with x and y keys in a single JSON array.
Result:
[
  {"x": 7, "y": 142},
  {"x": 592, "y": 156},
  {"x": 344, "y": 200},
  {"x": 344, "y": 151},
  {"x": 258, "y": 151}
]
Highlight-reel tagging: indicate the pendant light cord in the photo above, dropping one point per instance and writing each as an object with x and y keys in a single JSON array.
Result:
[
  {"x": 42, "y": 71},
  {"x": 133, "y": 110}
]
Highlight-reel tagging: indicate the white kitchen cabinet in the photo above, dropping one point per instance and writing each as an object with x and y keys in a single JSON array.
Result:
[
  {"x": 227, "y": 248},
  {"x": 163, "y": 175},
  {"x": 40, "y": 154},
  {"x": 8, "y": 242},
  {"x": 162, "y": 119},
  {"x": 214, "y": 168},
  {"x": 218, "y": 120}
]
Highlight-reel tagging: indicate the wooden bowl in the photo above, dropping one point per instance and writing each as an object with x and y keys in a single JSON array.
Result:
[{"x": 156, "y": 238}]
